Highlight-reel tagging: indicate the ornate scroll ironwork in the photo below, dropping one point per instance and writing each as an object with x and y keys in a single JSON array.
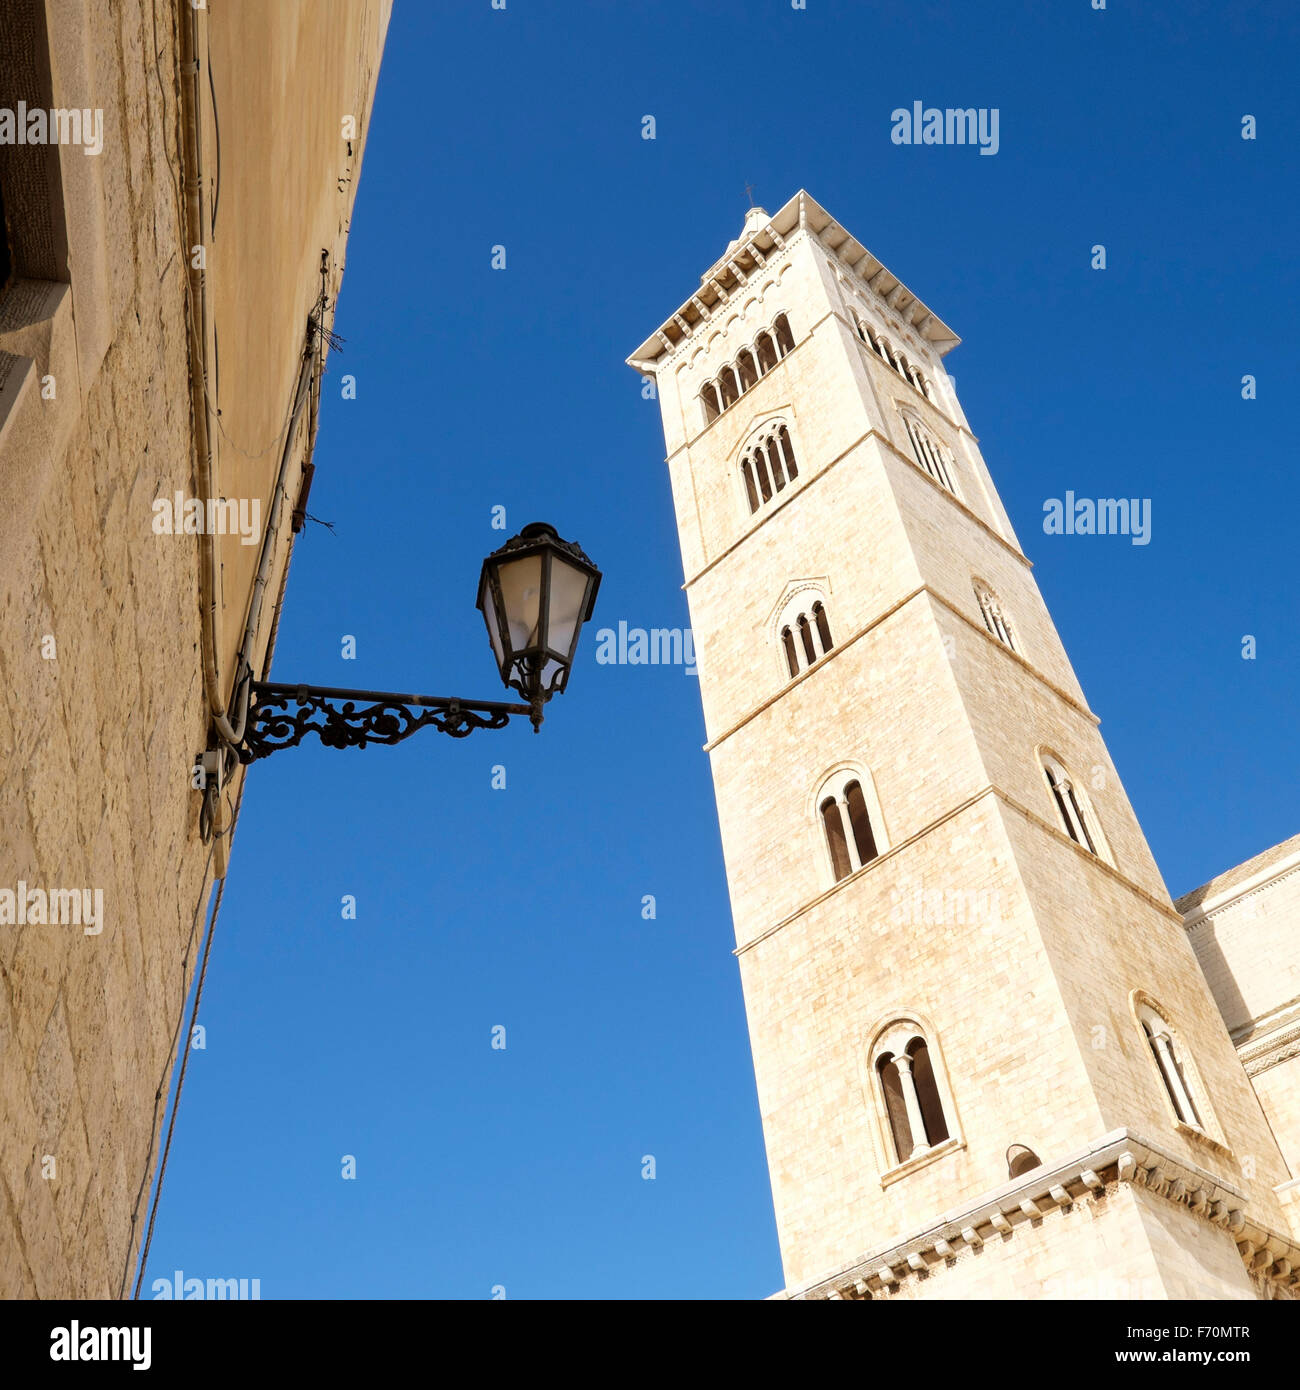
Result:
[{"x": 282, "y": 715}]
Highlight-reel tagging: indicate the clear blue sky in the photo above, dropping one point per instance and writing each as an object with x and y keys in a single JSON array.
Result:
[{"x": 476, "y": 388}]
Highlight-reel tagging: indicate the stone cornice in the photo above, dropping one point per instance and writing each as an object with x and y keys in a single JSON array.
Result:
[
  {"x": 1262, "y": 1054},
  {"x": 799, "y": 215},
  {"x": 1163, "y": 907},
  {"x": 770, "y": 509},
  {"x": 1119, "y": 1158},
  {"x": 830, "y": 656},
  {"x": 1212, "y": 906}
]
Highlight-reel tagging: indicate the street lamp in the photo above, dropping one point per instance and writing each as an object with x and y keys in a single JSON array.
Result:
[{"x": 535, "y": 593}]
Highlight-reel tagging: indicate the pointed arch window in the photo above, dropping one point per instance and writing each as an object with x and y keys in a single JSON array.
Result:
[
  {"x": 768, "y": 465},
  {"x": 994, "y": 615},
  {"x": 1182, "y": 1083},
  {"x": 850, "y": 824},
  {"x": 909, "y": 1091},
  {"x": 930, "y": 454},
  {"x": 1071, "y": 805}
]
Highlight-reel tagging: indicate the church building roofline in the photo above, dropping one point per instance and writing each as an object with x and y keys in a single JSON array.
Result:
[
  {"x": 1233, "y": 883},
  {"x": 763, "y": 237}
]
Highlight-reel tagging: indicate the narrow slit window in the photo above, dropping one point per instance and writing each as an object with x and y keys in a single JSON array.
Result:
[
  {"x": 823, "y": 626},
  {"x": 833, "y": 824},
  {"x": 863, "y": 837},
  {"x": 787, "y": 449},
  {"x": 750, "y": 490},
  {"x": 891, "y": 1087},
  {"x": 767, "y": 357},
  {"x": 927, "y": 1093},
  {"x": 764, "y": 481},
  {"x": 1166, "y": 1050},
  {"x": 784, "y": 338}
]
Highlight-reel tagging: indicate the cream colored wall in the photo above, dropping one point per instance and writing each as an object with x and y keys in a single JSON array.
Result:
[
  {"x": 1278, "y": 1090},
  {"x": 96, "y": 746},
  {"x": 1247, "y": 948},
  {"x": 815, "y": 991},
  {"x": 1246, "y": 945}
]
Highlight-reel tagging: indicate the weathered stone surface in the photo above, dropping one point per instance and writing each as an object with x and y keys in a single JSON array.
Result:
[
  {"x": 98, "y": 735},
  {"x": 1029, "y": 1005}
]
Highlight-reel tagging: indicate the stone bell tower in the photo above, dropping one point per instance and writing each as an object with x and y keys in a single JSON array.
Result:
[{"x": 987, "y": 1060}]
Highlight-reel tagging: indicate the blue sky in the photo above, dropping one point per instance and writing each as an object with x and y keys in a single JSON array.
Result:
[{"x": 476, "y": 388}]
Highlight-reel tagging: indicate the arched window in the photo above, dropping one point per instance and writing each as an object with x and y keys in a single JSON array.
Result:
[
  {"x": 784, "y": 338},
  {"x": 994, "y": 618},
  {"x": 1021, "y": 1160},
  {"x": 909, "y": 1091},
  {"x": 930, "y": 454},
  {"x": 709, "y": 399},
  {"x": 1071, "y": 805},
  {"x": 787, "y": 450},
  {"x": 852, "y": 829},
  {"x": 751, "y": 363},
  {"x": 729, "y": 385},
  {"x": 767, "y": 358},
  {"x": 804, "y": 629},
  {"x": 751, "y": 487},
  {"x": 768, "y": 465},
  {"x": 1175, "y": 1069},
  {"x": 823, "y": 626}
]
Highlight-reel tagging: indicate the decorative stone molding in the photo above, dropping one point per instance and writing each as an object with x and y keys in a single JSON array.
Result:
[
  {"x": 798, "y": 217},
  {"x": 1262, "y": 1054},
  {"x": 1122, "y": 1157}
]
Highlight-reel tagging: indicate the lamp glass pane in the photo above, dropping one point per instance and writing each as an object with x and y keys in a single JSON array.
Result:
[
  {"x": 568, "y": 590},
  {"x": 490, "y": 618},
  {"x": 521, "y": 592}
]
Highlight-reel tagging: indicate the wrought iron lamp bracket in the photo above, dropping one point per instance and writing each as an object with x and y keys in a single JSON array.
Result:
[{"x": 281, "y": 715}]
